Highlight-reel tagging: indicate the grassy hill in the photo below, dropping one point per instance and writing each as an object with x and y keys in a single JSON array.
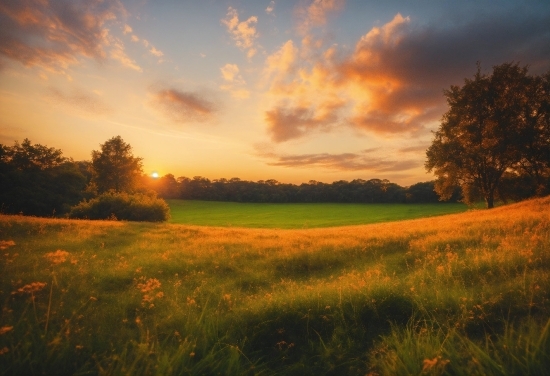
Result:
[{"x": 459, "y": 294}]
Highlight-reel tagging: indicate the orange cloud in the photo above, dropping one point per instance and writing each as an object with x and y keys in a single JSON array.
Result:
[
  {"x": 243, "y": 32},
  {"x": 362, "y": 90},
  {"x": 315, "y": 14},
  {"x": 55, "y": 34},
  {"x": 183, "y": 107},
  {"x": 285, "y": 123},
  {"x": 234, "y": 81},
  {"x": 360, "y": 161}
]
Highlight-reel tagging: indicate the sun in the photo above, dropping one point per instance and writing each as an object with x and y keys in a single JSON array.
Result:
[{"x": 155, "y": 175}]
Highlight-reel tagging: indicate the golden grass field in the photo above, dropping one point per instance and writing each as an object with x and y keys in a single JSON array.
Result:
[{"x": 457, "y": 294}]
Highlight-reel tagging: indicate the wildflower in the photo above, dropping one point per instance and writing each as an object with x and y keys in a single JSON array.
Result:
[
  {"x": 151, "y": 284},
  {"x": 5, "y": 329},
  {"x": 79, "y": 347},
  {"x": 436, "y": 362},
  {"x": 4, "y": 350},
  {"x": 192, "y": 354},
  {"x": 57, "y": 257},
  {"x": 6, "y": 244},
  {"x": 30, "y": 288}
]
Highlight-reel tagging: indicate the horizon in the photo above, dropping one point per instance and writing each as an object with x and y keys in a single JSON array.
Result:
[{"x": 323, "y": 90}]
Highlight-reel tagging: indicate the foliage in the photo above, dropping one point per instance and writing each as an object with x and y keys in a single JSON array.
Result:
[
  {"x": 37, "y": 180},
  {"x": 123, "y": 206},
  {"x": 495, "y": 124},
  {"x": 272, "y": 191},
  {"x": 460, "y": 294},
  {"x": 115, "y": 167}
]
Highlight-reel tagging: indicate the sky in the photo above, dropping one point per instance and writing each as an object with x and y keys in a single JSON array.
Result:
[{"x": 294, "y": 91}]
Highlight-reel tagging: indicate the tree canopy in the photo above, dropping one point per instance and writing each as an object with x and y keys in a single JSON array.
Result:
[
  {"x": 497, "y": 125},
  {"x": 115, "y": 168}
]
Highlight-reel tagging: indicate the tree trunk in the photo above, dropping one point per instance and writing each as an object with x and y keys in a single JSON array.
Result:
[{"x": 490, "y": 200}]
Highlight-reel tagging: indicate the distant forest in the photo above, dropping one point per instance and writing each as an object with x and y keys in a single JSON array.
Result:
[{"x": 235, "y": 189}]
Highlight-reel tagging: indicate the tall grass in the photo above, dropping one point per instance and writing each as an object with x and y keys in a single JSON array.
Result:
[{"x": 458, "y": 294}]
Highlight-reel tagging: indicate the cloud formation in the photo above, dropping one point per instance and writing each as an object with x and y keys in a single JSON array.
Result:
[
  {"x": 243, "y": 32},
  {"x": 270, "y": 7},
  {"x": 88, "y": 103},
  {"x": 392, "y": 81},
  {"x": 55, "y": 34},
  {"x": 315, "y": 14},
  {"x": 183, "y": 107},
  {"x": 234, "y": 82},
  {"x": 361, "y": 161}
]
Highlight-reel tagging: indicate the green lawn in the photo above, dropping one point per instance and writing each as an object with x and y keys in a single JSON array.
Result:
[{"x": 261, "y": 215}]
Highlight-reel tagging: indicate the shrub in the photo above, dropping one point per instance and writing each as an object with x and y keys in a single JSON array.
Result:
[{"x": 124, "y": 206}]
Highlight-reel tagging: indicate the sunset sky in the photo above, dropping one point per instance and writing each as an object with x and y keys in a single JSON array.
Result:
[{"x": 295, "y": 91}]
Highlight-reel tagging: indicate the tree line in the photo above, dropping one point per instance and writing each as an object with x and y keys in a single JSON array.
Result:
[
  {"x": 39, "y": 180},
  {"x": 272, "y": 191}
]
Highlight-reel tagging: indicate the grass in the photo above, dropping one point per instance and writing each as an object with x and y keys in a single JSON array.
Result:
[
  {"x": 457, "y": 294},
  {"x": 296, "y": 216}
]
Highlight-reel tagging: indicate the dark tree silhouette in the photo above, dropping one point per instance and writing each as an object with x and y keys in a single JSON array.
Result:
[
  {"x": 115, "y": 168},
  {"x": 490, "y": 128}
]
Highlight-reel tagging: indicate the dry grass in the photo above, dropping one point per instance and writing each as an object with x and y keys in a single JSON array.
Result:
[{"x": 431, "y": 295}]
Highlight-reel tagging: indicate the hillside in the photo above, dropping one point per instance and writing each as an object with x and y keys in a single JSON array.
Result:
[{"x": 464, "y": 294}]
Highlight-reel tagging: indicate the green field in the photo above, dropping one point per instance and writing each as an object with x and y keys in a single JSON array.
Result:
[
  {"x": 461, "y": 294},
  {"x": 295, "y": 216}
]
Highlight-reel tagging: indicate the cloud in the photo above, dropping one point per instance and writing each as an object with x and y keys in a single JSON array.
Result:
[
  {"x": 230, "y": 72},
  {"x": 183, "y": 107},
  {"x": 127, "y": 29},
  {"x": 286, "y": 123},
  {"x": 243, "y": 32},
  {"x": 315, "y": 14},
  {"x": 54, "y": 35},
  {"x": 118, "y": 53},
  {"x": 392, "y": 81},
  {"x": 156, "y": 52},
  {"x": 270, "y": 7},
  {"x": 361, "y": 161},
  {"x": 234, "y": 82},
  {"x": 80, "y": 100},
  {"x": 415, "y": 149}
]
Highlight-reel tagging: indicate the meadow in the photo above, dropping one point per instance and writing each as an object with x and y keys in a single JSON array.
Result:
[
  {"x": 300, "y": 215},
  {"x": 459, "y": 294}
]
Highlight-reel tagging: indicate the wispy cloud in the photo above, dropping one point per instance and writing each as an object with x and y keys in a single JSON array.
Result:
[
  {"x": 243, "y": 32},
  {"x": 55, "y": 34},
  {"x": 270, "y": 7},
  {"x": 234, "y": 82},
  {"x": 361, "y": 161},
  {"x": 90, "y": 104},
  {"x": 315, "y": 13},
  {"x": 118, "y": 53},
  {"x": 183, "y": 107},
  {"x": 391, "y": 82}
]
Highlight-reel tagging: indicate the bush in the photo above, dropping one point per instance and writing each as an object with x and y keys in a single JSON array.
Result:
[{"x": 124, "y": 206}]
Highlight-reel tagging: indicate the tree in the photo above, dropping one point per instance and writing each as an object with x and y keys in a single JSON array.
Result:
[
  {"x": 37, "y": 180},
  {"x": 491, "y": 122},
  {"x": 115, "y": 168},
  {"x": 27, "y": 156}
]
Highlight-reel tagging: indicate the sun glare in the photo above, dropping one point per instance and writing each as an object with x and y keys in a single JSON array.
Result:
[{"x": 155, "y": 175}]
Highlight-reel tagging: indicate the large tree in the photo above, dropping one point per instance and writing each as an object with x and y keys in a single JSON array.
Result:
[
  {"x": 38, "y": 180},
  {"x": 115, "y": 168},
  {"x": 495, "y": 124}
]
